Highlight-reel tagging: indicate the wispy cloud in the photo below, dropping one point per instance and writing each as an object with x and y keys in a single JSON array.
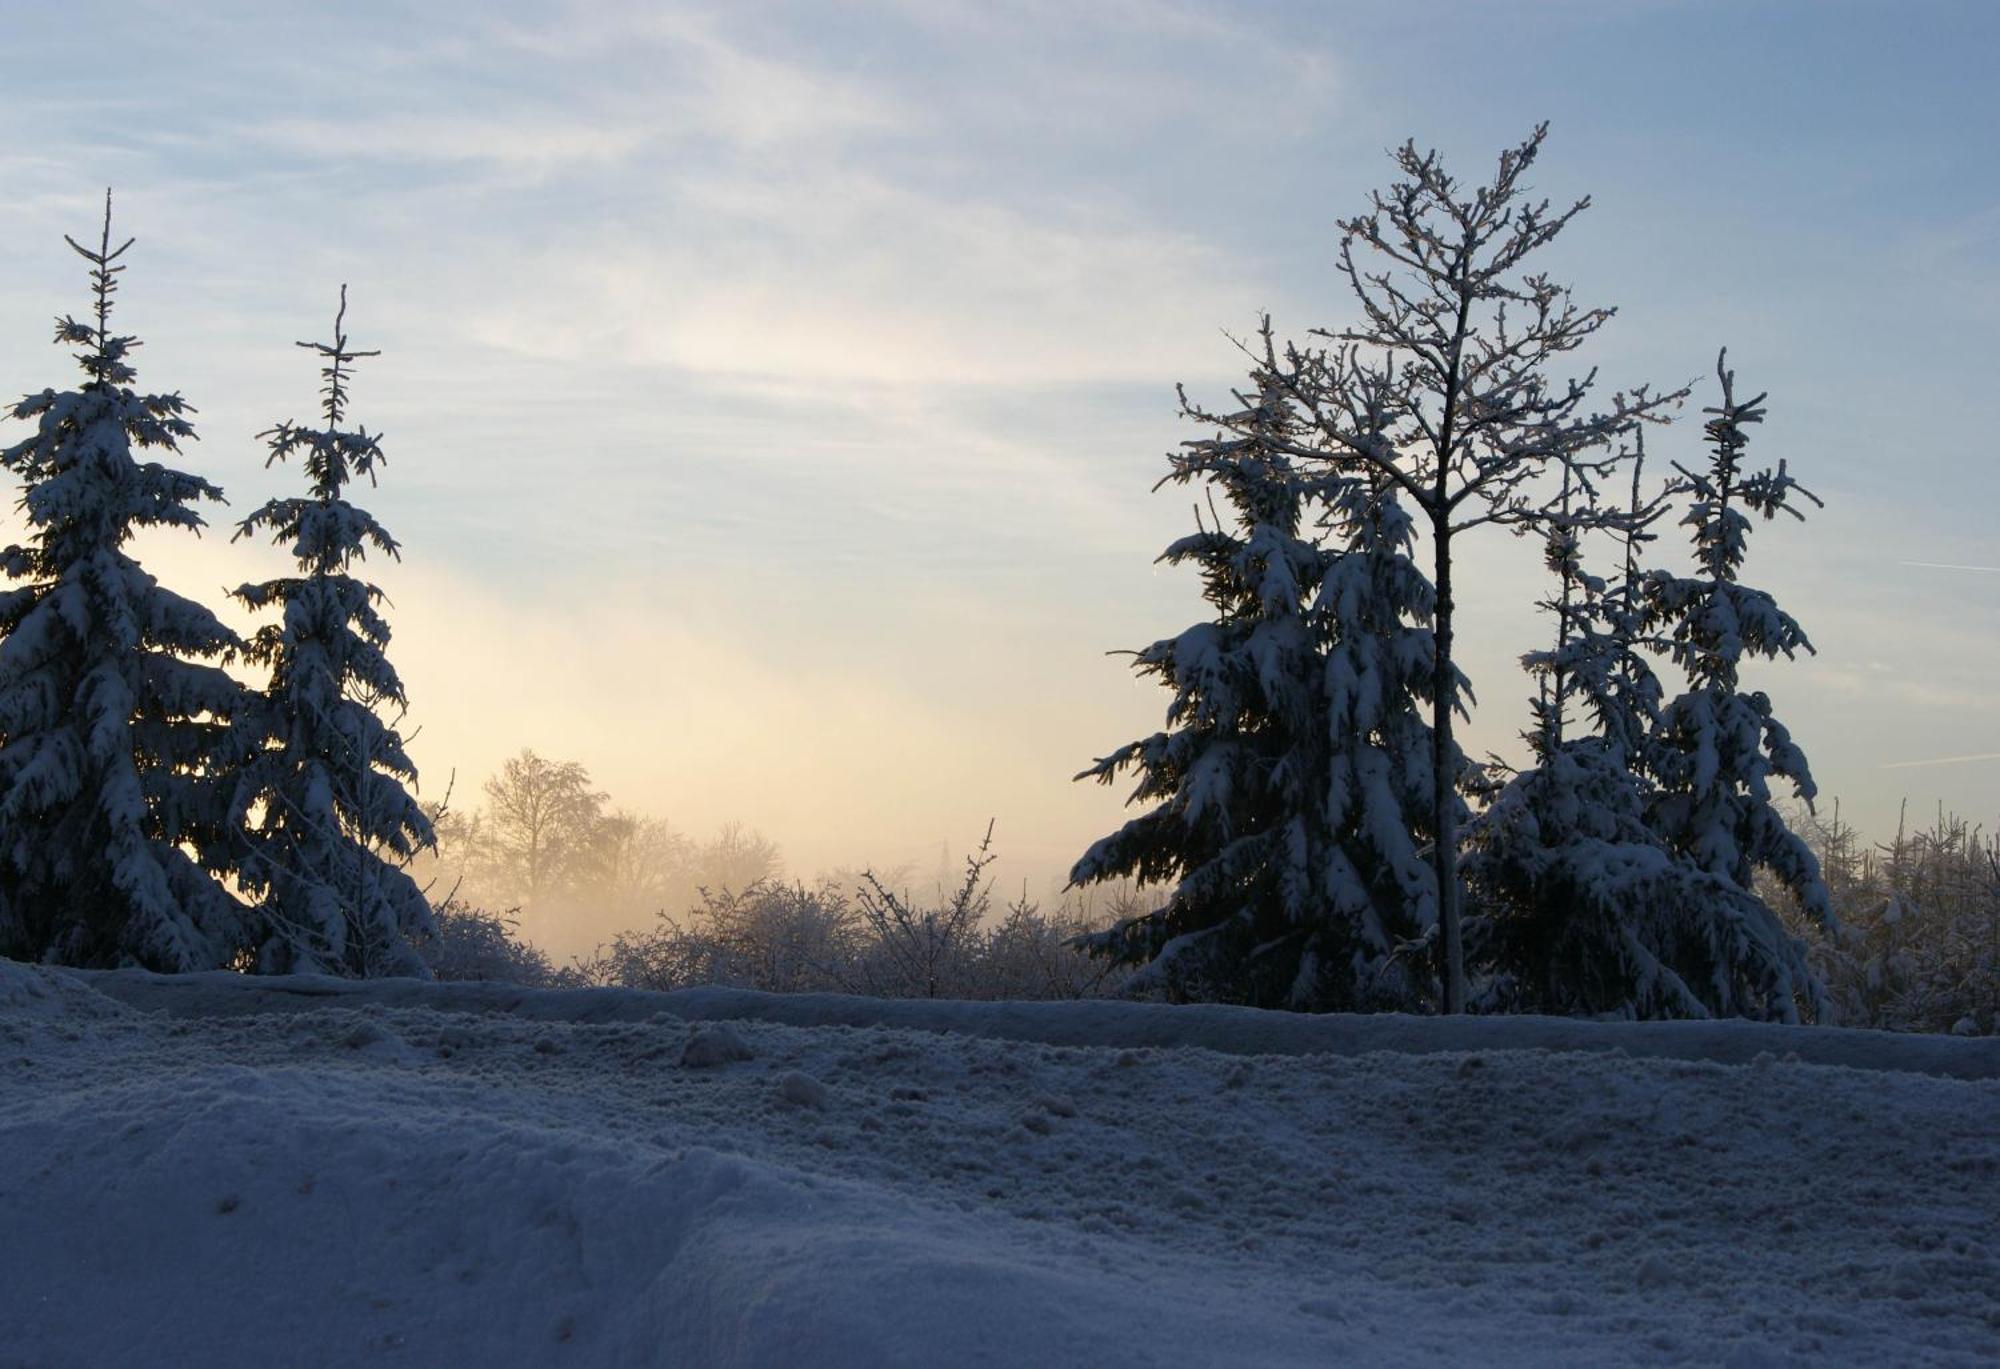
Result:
[
  {"x": 680, "y": 67},
  {"x": 1944, "y": 760},
  {"x": 694, "y": 190},
  {"x": 522, "y": 142},
  {"x": 844, "y": 278},
  {"x": 1945, "y": 565}
]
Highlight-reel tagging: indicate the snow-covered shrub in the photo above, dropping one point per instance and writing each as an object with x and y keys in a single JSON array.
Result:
[
  {"x": 465, "y": 943},
  {"x": 781, "y": 938},
  {"x": 791, "y": 938},
  {"x": 1916, "y": 944},
  {"x": 914, "y": 950},
  {"x": 1030, "y": 954}
]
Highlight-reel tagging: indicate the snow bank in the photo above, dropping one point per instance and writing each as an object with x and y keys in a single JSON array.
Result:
[
  {"x": 1234, "y": 1031},
  {"x": 315, "y": 1174}
]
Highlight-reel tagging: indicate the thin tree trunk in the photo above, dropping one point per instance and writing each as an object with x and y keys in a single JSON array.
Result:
[{"x": 1444, "y": 777}]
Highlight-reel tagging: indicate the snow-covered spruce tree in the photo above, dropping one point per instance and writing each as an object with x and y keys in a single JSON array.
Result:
[
  {"x": 1378, "y": 605},
  {"x": 114, "y": 737},
  {"x": 1464, "y": 334},
  {"x": 1718, "y": 747},
  {"x": 1609, "y": 671},
  {"x": 1579, "y": 906},
  {"x": 1290, "y": 785},
  {"x": 325, "y": 802}
]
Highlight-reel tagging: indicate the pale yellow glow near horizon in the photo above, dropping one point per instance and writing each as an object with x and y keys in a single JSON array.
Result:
[{"x": 842, "y": 769}]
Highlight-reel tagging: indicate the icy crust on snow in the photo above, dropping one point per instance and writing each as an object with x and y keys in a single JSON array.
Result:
[
  {"x": 1231, "y": 1030},
  {"x": 351, "y": 1179}
]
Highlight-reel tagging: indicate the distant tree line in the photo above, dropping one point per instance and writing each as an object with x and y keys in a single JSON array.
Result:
[
  {"x": 546, "y": 840},
  {"x": 870, "y": 935},
  {"x": 722, "y": 912}
]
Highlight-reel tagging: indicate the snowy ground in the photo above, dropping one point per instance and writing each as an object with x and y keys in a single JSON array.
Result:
[{"x": 220, "y": 1172}]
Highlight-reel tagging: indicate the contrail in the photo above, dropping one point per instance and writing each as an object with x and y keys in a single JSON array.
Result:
[
  {"x": 1943, "y": 760},
  {"x": 1945, "y": 565}
]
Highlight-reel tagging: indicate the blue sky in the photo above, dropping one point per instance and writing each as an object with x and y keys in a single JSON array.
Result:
[{"x": 773, "y": 392}]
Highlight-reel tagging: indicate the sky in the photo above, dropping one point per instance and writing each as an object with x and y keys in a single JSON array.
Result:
[{"x": 772, "y": 393}]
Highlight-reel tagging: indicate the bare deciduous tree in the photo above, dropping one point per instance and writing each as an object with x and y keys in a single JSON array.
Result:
[
  {"x": 1445, "y": 389},
  {"x": 541, "y": 816}
]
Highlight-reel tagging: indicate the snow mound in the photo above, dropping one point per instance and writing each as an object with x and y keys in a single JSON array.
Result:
[
  {"x": 267, "y": 1209},
  {"x": 1231, "y": 1030},
  {"x": 299, "y": 1174},
  {"x": 40, "y": 993}
]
